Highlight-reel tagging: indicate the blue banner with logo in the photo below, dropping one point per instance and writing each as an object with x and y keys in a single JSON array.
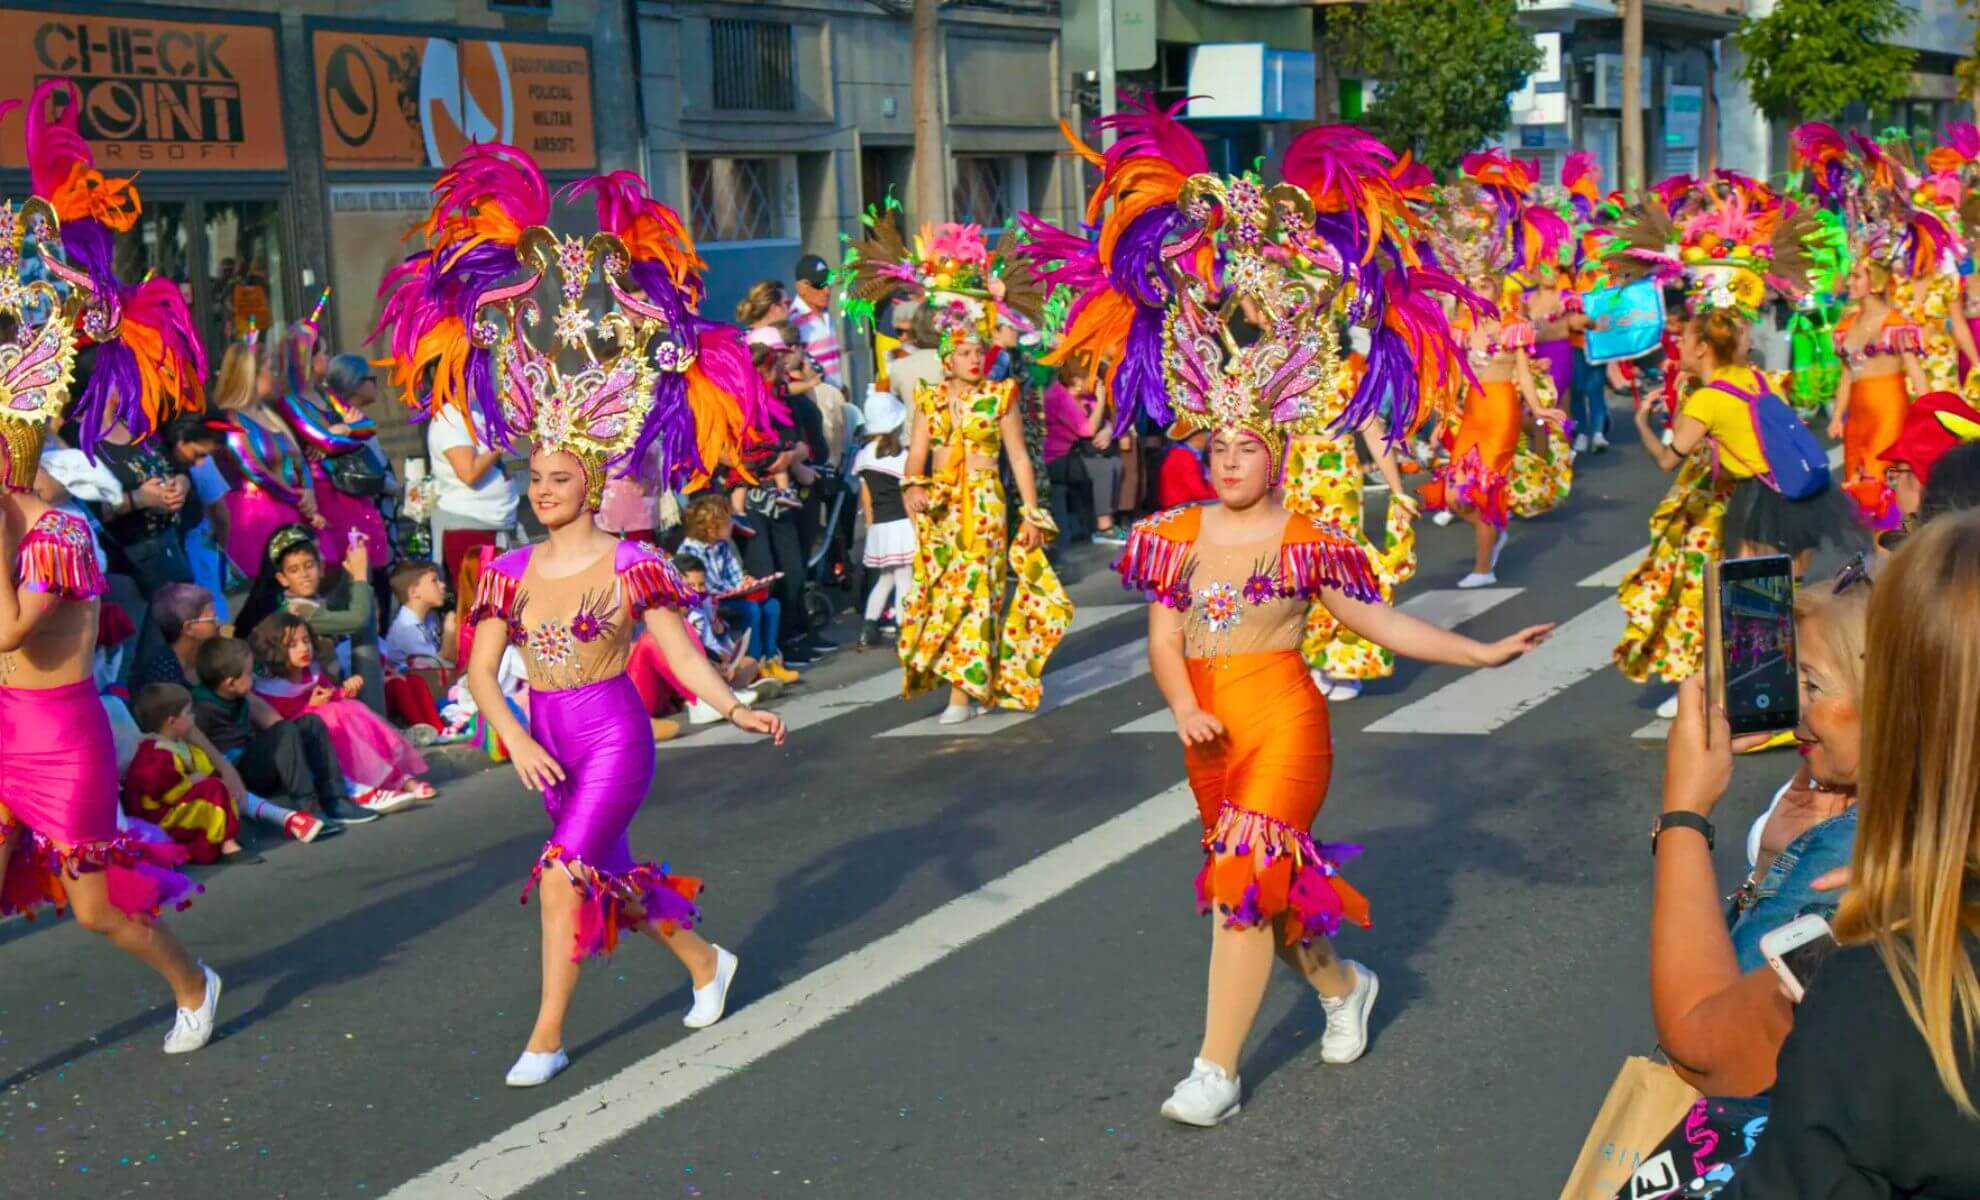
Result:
[{"x": 1624, "y": 322}]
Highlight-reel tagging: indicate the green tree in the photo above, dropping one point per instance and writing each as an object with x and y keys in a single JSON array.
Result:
[
  {"x": 1445, "y": 70},
  {"x": 1968, "y": 69},
  {"x": 1810, "y": 59}
]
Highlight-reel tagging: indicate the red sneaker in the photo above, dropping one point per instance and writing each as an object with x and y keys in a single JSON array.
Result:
[{"x": 302, "y": 827}]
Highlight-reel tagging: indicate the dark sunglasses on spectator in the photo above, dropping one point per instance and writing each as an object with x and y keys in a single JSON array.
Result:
[{"x": 1856, "y": 570}]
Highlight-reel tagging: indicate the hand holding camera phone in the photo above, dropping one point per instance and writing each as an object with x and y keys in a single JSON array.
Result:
[{"x": 1795, "y": 950}]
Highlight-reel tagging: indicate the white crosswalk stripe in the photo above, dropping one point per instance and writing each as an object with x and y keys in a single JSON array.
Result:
[
  {"x": 1448, "y": 607},
  {"x": 806, "y": 708},
  {"x": 1063, "y": 686},
  {"x": 1482, "y": 701}
]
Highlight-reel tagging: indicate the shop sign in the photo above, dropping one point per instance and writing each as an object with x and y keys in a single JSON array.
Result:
[
  {"x": 157, "y": 95},
  {"x": 394, "y": 101}
]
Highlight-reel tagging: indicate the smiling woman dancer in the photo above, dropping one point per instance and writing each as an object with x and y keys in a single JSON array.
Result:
[
  {"x": 1229, "y": 582},
  {"x": 650, "y": 373},
  {"x": 59, "y": 839}
]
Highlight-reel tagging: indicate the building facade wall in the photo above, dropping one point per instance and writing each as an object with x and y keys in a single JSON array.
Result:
[
  {"x": 762, "y": 186},
  {"x": 331, "y": 164}
]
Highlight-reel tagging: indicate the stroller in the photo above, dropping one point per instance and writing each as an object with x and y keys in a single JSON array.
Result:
[{"x": 830, "y": 580}]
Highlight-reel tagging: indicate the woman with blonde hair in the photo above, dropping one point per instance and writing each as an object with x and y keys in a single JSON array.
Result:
[
  {"x": 765, "y": 303},
  {"x": 1875, "y": 1091},
  {"x": 264, "y": 464}
]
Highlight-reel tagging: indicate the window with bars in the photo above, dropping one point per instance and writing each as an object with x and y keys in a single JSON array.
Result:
[
  {"x": 753, "y": 66},
  {"x": 733, "y": 199},
  {"x": 986, "y": 190}
]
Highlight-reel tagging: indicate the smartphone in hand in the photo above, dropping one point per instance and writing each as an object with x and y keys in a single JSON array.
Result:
[
  {"x": 1796, "y": 949},
  {"x": 1750, "y": 627}
]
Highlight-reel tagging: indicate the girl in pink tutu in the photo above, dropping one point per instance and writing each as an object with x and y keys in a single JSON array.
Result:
[
  {"x": 662, "y": 379},
  {"x": 59, "y": 839},
  {"x": 373, "y": 754}
]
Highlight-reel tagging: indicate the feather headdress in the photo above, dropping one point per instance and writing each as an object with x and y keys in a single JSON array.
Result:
[
  {"x": 1217, "y": 301},
  {"x": 966, "y": 284},
  {"x": 150, "y": 362},
  {"x": 648, "y": 375},
  {"x": 1729, "y": 239}
]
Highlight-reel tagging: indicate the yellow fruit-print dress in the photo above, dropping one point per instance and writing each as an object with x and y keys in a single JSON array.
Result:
[
  {"x": 1663, "y": 599},
  {"x": 1323, "y": 484},
  {"x": 1539, "y": 483},
  {"x": 954, "y": 628}
]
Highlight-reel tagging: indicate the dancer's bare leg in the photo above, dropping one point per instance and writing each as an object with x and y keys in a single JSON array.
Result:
[
  {"x": 696, "y": 953},
  {"x": 147, "y": 941},
  {"x": 1318, "y": 961},
  {"x": 1240, "y": 967},
  {"x": 1486, "y": 539},
  {"x": 557, "y": 901}
]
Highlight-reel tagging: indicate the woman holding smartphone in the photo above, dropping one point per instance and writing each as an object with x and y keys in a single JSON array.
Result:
[
  {"x": 1875, "y": 1094},
  {"x": 1718, "y": 1007}
]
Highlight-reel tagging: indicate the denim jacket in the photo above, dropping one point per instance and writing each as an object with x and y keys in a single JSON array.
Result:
[{"x": 1787, "y": 890}]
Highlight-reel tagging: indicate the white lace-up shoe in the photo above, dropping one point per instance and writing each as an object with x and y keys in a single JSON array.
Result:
[
  {"x": 193, "y": 1027},
  {"x": 1208, "y": 1097},
  {"x": 712, "y": 1000},
  {"x": 1347, "y": 1018}
]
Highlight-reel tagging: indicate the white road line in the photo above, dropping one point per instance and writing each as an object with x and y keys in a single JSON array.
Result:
[
  {"x": 557, "y": 1136},
  {"x": 1063, "y": 686},
  {"x": 806, "y": 708},
  {"x": 1482, "y": 701},
  {"x": 1611, "y": 576},
  {"x": 1655, "y": 731},
  {"x": 1448, "y": 607}
]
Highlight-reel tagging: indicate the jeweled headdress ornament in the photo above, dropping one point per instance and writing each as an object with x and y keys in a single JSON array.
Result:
[
  {"x": 949, "y": 266},
  {"x": 59, "y": 289},
  {"x": 1904, "y": 222},
  {"x": 1217, "y": 301},
  {"x": 648, "y": 372}
]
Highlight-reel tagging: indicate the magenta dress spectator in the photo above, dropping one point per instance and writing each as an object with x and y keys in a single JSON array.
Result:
[
  {"x": 576, "y": 635},
  {"x": 266, "y": 471},
  {"x": 312, "y": 417}
]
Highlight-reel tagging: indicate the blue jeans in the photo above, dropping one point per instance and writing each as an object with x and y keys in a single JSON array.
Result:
[
  {"x": 759, "y": 618},
  {"x": 1588, "y": 398}
]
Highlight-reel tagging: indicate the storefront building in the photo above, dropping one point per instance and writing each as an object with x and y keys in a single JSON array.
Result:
[{"x": 283, "y": 152}]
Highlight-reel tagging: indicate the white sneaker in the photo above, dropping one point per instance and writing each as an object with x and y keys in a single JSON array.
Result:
[
  {"x": 700, "y": 712},
  {"x": 1344, "y": 689},
  {"x": 1478, "y": 579},
  {"x": 1499, "y": 547},
  {"x": 536, "y": 1068},
  {"x": 956, "y": 714},
  {"x": 193, "y": 1027},
  {"x": 1668, "y": 710},
  {"x": 1442, "y": 517},
  {"x": 1208, "y": 1097},
  {"x": 1581, "y": 443},
  {"x": 710, "y": 1001},
  {"x": 1599, "y": 442},
  {"x": 384, "y": 800},
  {"x": 1346, "y": 1038}
]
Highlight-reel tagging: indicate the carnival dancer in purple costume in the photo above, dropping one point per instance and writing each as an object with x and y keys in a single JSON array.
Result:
[
  {"x": 649, "y": 374},
  {"x": 59, "y": 839}
]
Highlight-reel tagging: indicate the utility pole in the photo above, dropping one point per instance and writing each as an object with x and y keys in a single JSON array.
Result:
[
  {"x": 931, "y": 175},
  {"x": 1632, "y": 97},
  {"x": 1108, "y": 100}
]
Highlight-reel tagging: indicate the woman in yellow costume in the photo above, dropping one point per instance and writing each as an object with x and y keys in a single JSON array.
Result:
[
  {"x": 1729, "y": 240},
  {"x": 1486, "y": 227},
  {"x": 954, "y": 625},
  {"x": 1241, "y": 287}
]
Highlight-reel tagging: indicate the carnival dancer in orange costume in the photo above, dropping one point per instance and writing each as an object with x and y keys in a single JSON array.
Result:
[
  {"x": 1487, "y": 227},
  {"x": 1242, "y": 284},
  {"x": 59, "y": 839},
  {"x": 651, "y": 374}
]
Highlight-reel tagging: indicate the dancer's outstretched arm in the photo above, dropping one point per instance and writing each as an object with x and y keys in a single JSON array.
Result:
[
  {"x": 689, "y": 662},
  {"x": 1419, "y": 639},
  {"x": 1165, "y": 659}
]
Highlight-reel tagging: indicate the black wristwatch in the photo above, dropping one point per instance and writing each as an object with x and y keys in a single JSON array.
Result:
[{"x": 1682, "y": 820}]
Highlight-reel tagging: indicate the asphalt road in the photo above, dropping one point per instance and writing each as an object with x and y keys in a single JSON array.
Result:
[{"x": 379, "y": 985}]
